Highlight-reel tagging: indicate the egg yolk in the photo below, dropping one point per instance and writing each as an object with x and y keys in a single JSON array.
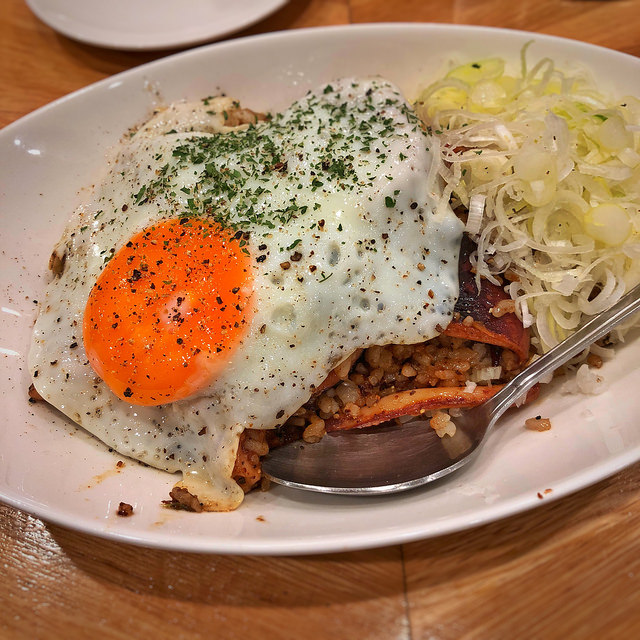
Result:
[{"x": 168, "y": 310}]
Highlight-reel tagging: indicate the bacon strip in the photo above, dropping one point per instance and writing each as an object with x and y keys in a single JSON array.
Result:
[
  {"x": 412, "y": 402},
  {"x": 506, "y": 331}
]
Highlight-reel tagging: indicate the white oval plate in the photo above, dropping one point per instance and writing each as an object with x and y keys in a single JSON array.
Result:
[
  {"x": 145, "y": 24},
  {"x": 47, "y": 161}
]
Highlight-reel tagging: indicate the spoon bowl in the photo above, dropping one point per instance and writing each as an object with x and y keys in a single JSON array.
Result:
[{"x": 390, "y": 458}]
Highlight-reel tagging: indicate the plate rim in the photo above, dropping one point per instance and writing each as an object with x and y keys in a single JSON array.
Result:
[
  {"x": 292, "y": 33},
  {"x": 511, "y": 507}
]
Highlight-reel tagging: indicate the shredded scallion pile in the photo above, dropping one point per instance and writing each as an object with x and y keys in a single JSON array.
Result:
[{"x": 548, "y": 170}]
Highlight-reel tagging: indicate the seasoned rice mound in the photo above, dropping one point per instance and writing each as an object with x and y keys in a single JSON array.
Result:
[{"x": 383, "y": 370}]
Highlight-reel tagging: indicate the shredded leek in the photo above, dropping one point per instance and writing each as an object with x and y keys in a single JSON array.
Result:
[{"x": 548, "y": 169}]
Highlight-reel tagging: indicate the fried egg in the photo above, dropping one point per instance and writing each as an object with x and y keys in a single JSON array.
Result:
[{"x": 218, "y": 274}]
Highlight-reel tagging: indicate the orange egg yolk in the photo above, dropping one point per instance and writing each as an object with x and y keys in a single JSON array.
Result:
[{"x": 168, "y": 310}]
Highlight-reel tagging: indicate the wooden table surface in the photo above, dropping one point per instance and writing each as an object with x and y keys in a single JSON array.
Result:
[{"x": 569, "y": 569}]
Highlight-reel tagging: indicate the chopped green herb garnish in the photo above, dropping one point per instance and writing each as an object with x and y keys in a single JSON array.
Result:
[{"x": 139, "y": 198}]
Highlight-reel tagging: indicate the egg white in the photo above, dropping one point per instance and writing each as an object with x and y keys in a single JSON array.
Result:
[{"x": 347, "y": 207}]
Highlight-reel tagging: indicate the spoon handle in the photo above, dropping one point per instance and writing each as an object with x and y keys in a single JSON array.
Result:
[{"x": 593, "y": 330}]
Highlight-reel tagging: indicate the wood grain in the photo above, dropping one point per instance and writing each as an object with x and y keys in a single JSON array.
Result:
[
  {"x": 569, "y": 569},
  {"x": 607, "y": 23},
  {"x": 85, "y": 587}
]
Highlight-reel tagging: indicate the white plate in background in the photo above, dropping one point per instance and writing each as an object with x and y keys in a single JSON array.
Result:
[
  {"x": 150, "y": 24},
  {"x": 61, "y": 474}
]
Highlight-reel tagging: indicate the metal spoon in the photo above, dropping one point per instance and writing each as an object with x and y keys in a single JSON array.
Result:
[{"x": 392, "y": 458}]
